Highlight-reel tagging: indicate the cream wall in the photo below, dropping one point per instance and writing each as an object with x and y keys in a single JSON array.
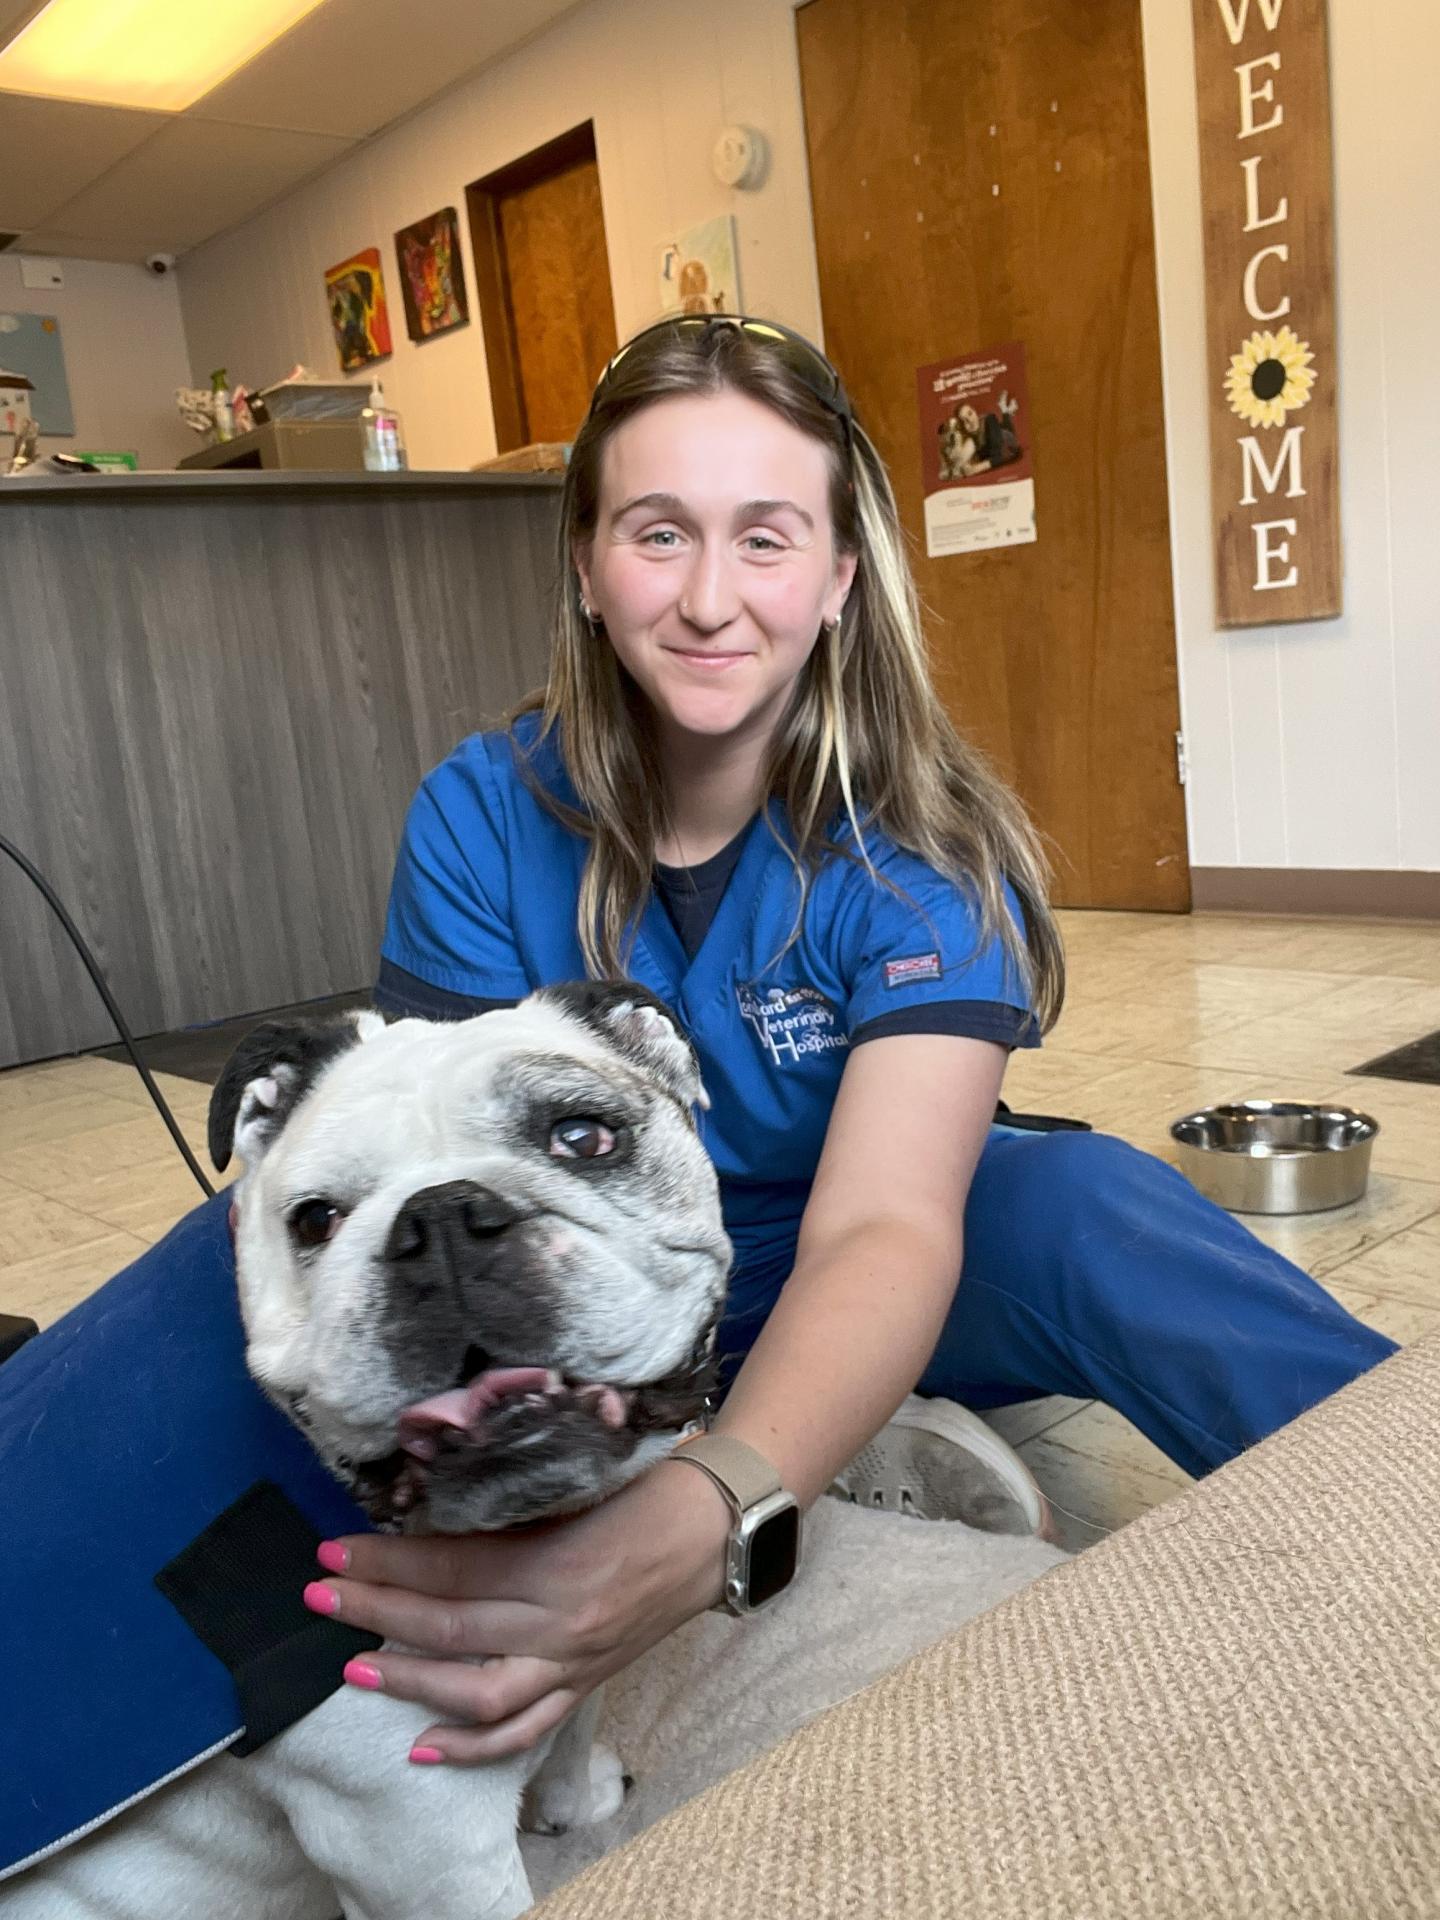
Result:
[
  {"x": 1309, "y": 746},
  {"x": 1318, "y": 744},
  {"x": 125, "y": 355},
  {"x": 658, "y": 78}
]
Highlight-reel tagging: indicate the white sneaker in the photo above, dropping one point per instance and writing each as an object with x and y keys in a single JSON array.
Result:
[{"x": 939, "y": 1461}]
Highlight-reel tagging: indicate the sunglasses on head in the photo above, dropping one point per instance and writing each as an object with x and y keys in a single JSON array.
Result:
[{"x": 804, "y": 360}]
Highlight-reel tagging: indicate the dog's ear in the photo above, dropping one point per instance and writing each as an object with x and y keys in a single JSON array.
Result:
[
  {"x": 269, "y": 1074},
  {"x": 640, "y": 1026}
]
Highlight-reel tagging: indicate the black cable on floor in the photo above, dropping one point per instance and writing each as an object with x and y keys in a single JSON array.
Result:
[{"x": 33, "y": 872}]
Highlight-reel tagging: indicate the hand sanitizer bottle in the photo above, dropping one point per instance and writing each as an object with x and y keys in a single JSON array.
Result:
[
  {"x": 380, "y": 431},
  {"x": 220, "y": 409}
]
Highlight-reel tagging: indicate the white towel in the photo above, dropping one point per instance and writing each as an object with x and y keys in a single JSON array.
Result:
[{"x": 873, "y": 1589}]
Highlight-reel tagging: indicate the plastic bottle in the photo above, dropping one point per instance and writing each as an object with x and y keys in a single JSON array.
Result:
[
  {"x": 380, "y": 432},
  {"x": 220, "y": 407}
]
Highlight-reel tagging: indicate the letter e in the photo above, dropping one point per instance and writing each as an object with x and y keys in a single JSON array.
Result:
[
  {"x": 1250, "y": 93},
  {"x": 1266, "y": 553}
]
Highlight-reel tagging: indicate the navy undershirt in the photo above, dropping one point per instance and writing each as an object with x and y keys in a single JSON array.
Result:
[{"x": 690, "y": 895}]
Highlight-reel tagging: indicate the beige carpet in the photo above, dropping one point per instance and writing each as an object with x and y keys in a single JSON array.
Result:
[{"x": 1229, "y": 1711}]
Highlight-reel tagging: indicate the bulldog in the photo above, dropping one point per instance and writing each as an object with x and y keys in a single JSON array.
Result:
[{"x": 480, "y": 1265}]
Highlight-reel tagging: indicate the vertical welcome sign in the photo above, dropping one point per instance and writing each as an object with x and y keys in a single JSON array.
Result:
[{"x": 1263, "y": 87}]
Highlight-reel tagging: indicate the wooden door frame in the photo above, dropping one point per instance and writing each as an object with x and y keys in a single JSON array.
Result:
[{"x": 492, "y": 281}]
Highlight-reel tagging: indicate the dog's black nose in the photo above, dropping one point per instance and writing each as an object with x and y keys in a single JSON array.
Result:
[{"x": 459, "y": 1210}]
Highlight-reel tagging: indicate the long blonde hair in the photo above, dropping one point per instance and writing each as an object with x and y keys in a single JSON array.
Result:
[{"x": 865, "y": 735}]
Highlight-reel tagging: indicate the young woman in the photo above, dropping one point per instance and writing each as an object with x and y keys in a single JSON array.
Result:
[{"x": 740, "y": 790}]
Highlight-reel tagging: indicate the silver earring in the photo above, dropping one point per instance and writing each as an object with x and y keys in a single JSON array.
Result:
[
  {"x": 833, "y": 626},
  {"x": 592, "y": 614}
]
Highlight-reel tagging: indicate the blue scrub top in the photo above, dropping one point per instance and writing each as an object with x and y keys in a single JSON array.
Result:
[{"x": 483, "y": 907}]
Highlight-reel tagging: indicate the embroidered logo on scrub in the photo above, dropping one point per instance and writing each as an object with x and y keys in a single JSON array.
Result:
[
  {"x": 916, "y": 966},
  {"x": 791, "y": 1021}
]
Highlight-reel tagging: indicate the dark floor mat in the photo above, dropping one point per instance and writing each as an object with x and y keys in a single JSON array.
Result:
[
  {"x": 200, "y": 1053},
  {"x": 1419, "y": 1060}
]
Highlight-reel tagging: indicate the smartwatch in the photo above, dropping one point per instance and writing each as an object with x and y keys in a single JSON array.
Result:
[{"x": 763, "y": 1550}]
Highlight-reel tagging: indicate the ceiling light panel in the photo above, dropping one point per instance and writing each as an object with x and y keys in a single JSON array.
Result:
[{"x": 160, "y": 54}]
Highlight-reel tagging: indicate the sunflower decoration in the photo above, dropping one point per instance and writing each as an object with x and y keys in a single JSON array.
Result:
[{"x": 1269, "y": 377}]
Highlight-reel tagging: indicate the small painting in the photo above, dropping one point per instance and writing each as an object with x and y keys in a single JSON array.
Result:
[
  {"x": 356, "y": 292},
  {"x": 698, "y": 273},
  {"x": 432, "y": 275}
]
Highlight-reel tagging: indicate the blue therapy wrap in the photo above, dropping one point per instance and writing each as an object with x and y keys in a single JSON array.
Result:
[{"x": 125, "y": 1429}]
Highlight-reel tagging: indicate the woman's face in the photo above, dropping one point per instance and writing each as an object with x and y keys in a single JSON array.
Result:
[{"x": 713, "y": 563}]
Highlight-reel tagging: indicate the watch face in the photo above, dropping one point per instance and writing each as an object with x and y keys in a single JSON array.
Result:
[{"x": 774, "y": 1551}]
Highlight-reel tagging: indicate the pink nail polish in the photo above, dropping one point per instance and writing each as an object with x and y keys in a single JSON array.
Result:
[
  {"x": 426, "y": 1756},
  {"x": 321, "y": 1599},
  {"x": 333, "y": 1557},
  {"x": 360, "y": 1673}
]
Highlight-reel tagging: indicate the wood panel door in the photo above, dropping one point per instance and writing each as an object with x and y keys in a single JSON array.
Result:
[
  {"x": 980, "y": 174},
  {"x": 543, "y": 278}
]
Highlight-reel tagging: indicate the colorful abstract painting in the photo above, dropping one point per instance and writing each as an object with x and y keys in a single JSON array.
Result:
[
  {"x": 356, "y": 292},
  {"x": 432, "y": 275}
]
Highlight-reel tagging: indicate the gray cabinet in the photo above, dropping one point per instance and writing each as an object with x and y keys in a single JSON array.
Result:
[{"x": 217, "y": 695}]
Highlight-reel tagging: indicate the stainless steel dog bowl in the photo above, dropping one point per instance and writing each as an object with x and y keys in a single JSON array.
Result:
[{"x": 1276, "y": 1156}]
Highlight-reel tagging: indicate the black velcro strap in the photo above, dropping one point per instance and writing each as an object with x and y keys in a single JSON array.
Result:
[
  {"x": 15, "y": 1330},
  {"x": 237, "y": 1586},
  {"x": 1039, "y": 1122}
]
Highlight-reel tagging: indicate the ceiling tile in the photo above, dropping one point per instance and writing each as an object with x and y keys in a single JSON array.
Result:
[
  {"x": 116, "y": 184},
  {"x": 192, "y": 180},
  {"x": 353, "y": 66},
  {"x": 75, "y": 246},
  {"x": 13, "y": 15},
  {"x": 50, "y": 150}
]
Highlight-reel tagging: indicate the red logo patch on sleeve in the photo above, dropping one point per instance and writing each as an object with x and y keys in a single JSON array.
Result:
[{"x": 915, "y": 966}]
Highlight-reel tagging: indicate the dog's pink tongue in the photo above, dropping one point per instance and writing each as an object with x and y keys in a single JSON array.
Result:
[{"x": 464, "y": 1407}]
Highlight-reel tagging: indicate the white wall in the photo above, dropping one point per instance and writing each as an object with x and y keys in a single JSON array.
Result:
[
  {"x": 658, "y": 78},
  {"x": 1310, "y": 746},
  {"x": 125, "y": 355},
  {"x": 1318, "y": 744}
]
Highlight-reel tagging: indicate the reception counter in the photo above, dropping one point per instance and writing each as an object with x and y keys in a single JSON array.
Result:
[{"x": 217, "y": 694}]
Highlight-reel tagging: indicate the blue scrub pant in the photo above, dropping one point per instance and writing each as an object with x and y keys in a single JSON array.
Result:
[{"x": 1096, "y": 1270}]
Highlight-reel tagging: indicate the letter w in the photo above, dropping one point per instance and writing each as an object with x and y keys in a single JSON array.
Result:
[
  {"x": 1253, "y": 466},
  {"x": 1235, "y": 22}
]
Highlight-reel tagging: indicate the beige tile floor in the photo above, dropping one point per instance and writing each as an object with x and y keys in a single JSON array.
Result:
[{"x": 1163, "y": 1014}]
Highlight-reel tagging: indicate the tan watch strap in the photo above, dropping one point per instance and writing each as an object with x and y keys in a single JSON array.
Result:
[{"x": 744, "y": 1476}]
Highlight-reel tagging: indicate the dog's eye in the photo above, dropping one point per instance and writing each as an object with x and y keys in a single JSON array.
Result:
[
  {"x": 581, "y": 1139},
  {"x": 314, "y": 1222}
]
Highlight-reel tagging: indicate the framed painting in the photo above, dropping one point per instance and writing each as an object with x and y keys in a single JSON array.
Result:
[
  {"x": 358, "y": 313},
  {"x": 432, "y": 275}
]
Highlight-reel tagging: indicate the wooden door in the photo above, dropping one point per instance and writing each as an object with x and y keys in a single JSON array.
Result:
[
  {"x": 543, "y": 279},
  {"x": 980, "y": 174}
]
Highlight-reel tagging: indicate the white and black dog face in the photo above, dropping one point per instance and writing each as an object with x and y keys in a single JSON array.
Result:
[{"x": 479, "y": 1262}]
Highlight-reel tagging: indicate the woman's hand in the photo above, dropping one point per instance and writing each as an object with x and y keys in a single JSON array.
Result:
[{"x": 552, "y": 1610}]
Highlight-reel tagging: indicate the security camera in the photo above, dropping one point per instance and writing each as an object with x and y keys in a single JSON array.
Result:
[{"x": 160, "y": 263}]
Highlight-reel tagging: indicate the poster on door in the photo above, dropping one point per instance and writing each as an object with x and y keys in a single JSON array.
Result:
[{"x": 975, "y": 452}]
